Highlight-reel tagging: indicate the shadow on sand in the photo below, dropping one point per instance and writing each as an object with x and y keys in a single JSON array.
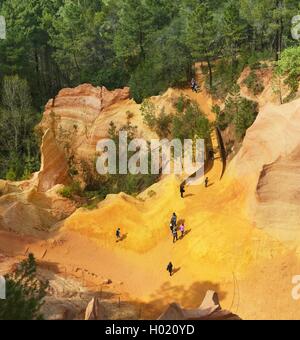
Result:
[
  {"x": 187, "y": 297},
  {"x": 123, "y": 238}
]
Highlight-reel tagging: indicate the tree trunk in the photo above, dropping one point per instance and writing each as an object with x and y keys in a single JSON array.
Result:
[{"x": 210, "y": 73}]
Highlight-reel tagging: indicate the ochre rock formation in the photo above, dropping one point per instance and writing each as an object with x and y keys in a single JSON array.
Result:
[
  {"x": 95, "y": 311},
  {"x": 34, "y": 205},
  {"x": 268, "y": 167},
  {"x": 79, "y": 118},
  {"x": 31, "y": 211},
  {"x": 54, "y": 168},
  {"x": 210, "y": 309}
]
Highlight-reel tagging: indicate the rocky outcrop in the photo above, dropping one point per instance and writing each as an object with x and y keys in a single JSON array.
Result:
[
  {"x": 31, "y": 211},
  {"x": 267, "y": 166},
  {"x": 210, "y": 309},
  {"x": 54, "y": 167},
  {"x": 278, "y": 196},
  {"x": 94, "y": 311},
  {"x": 34, "y": 205},
  {"x": 79, "y": 118}
]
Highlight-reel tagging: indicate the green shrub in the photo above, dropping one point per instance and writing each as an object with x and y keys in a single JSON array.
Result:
[
  {"x": 289, "y": 68},
  {"x": 191, "y": 124},
  {"x": 148, "y": 111},
  {"x": 160, "y": 124},
  {"x": 11, "y": 175},
  {"x": 238, "y": 111},
  {"x": 70, "y": 191},
  {"x": 163, "y": 123},
  {"x": 181, "y": 104},
  {"x": 25, "y": 293},
  {"x": 245, "y": 117},
  {"x": 224, "y": 118},
  {"x": 254, "y": 84}
]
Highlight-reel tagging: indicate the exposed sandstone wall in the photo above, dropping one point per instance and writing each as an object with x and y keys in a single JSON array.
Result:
[
  {"x": 54, "y": 167},
  {"x": 78, "y": 118},
  {"x": 268, "y": 166}
]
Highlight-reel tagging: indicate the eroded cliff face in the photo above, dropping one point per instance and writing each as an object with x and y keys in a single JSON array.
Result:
[
  {"x": 79, "y": 118},
  {"x": 34, "y": 206},
  {"x": 268, "y": 167}
]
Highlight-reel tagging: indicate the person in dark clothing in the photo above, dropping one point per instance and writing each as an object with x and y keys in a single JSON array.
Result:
[
  {"x": 206, "y": 182},
  {"x": 174, "y": 220},
  {"x": 170, "y": 268},
  {"x": 194, "y": 85},
  {"x": 182, "y": 190},
  {"x": 118, "y": 234},
  {"x": 175, "y": 235}
]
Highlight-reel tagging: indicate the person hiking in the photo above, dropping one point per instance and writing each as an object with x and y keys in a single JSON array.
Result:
[
  {"x": 118, "y": 234},
  {"x": 206, "y": 182},
  {"x": 174, "y": 220},
  {"x": 170, "y": 268},
  {"x": 182, "y": 230},
  {"x": 182, "y": 190},
  {"x": 175, "y": 235},
  {"x": 194, "y": 85}
]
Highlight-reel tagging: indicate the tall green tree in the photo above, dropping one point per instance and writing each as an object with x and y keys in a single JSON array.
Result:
[
  {"x": 202, "y": 35},
  {"x": 19, "y": 153},
  {"x": 24, "y": 293}
]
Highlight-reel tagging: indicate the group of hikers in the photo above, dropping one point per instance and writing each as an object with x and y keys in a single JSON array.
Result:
[{"x": 174, "y": 228}]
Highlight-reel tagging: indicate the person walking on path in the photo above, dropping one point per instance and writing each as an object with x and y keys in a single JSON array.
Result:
[
  {"x": 206, "y": 182},
  {"x": 182, "y": 230},
  {"x": 175, "y": 235},
  {"x": 194, "y": 86},
  {"x": 182, "y": 190},
  {"x": 174, "y": 220},
  {"x": 170, "y": 268},
  {"x": 118, "y": 234}
]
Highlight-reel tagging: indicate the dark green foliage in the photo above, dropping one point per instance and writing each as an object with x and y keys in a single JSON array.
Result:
[
  {"x": 245, "y": 117},
  {"x": 191, "y": 124},
  {"x": 148, "y": 44},
  {"x": 130, "y": 184},
  {"x": 161, "y": 124},
  {"x": 289, "y": 67},
  {"x": 70, "y": 191},
  {"x": 238, "y": 111},
  {"x": 99, "y": 186},
  {"x": 254, "y": 84},
  {"x": 164, "y": 121},
  {"x": 19, "y": 152},
  {"x": 24, "y": 293},
  {"x": 188, "y": 123}
]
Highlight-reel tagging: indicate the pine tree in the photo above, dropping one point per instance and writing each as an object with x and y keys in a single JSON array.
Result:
[{"x": 24, "y": 293}]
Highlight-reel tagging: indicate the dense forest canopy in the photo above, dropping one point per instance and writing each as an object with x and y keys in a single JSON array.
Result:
[{"x": 149, "y": 45}]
